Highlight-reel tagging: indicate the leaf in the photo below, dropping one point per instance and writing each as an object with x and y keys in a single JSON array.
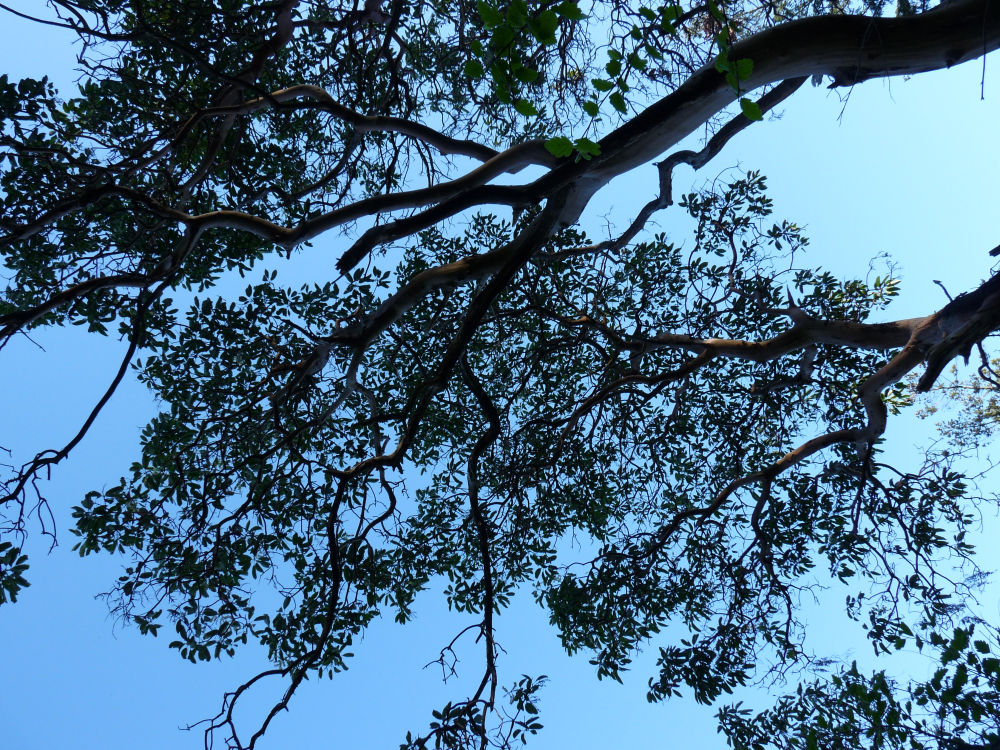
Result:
[
  {"x": 618, "y": 102},
  {"x": 474, "y": 69},
  {"x": 570, "y": 10},
  {"x": 544, "y": 27},
  {"x": 517, "y": 14},
  {"x": 549, "y": 20},
  {"x": 636, "y": 61},
  {"x": 601, "y": 85},
  {"x": 751, "y": 110},
  {"x": 490, "y": 15},
  {"x": 722, "y": 62},
  {"x": 614, "y": 68},
  {"x": 587, "y": 147},
  {"x": 559, "y": 146},
  {"x": 591, "y": 108},
  {"x": 525, "y": 107},
  {"x": 744, "y": 68},
  {"x": 526, "y": 75},
  {"x": 502, "y": 37}
]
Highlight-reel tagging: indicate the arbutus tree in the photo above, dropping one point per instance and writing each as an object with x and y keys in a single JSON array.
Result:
[{"x": 707, "y": 419}]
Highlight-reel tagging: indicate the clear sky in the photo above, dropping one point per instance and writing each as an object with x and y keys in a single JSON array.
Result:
[{"x": 905, "y": 167}]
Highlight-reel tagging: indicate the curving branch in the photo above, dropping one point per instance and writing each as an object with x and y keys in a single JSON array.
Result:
[
  {"x": 317, "y": 99},
  {"x": 696, "y": 159},
  {"x": 482, "y": 526},
  {"x": 15, "y": 321}
]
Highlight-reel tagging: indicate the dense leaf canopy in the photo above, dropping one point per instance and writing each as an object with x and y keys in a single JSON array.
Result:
[{"x": 636, "y": 431}]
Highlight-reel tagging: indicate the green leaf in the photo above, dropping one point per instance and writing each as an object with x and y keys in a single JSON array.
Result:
[
  {"x": 559, "y": 146},
  {"x": 517, "y": 14},
  {"x": 636, "y": 61},
  {"x": 526, "y": 75},
  {"x": 549, "y": 20},
  {"x": 614, "y": 68},
  {"x": 722, "y": 62},
  {"x": 744, "y": 68},
  {"x": 618, "y": 102},
  {"x": 591, "y": 108},
  {"x": 502, "y": 37},
  {"x": 733, "y": 82},
  {"x": 474, "y": 69},
  {"x": 751, "y": 110},
  {"x": 570, "y": 10},
  {"x": 587, "y": 148},
  {"x": 601, "y": 85},
  {"x": 525, "y": 107},
  {"x": 648, "y": 13},
  {"x": 490, "y": 15},
  {"x": 544, "y": 27}
]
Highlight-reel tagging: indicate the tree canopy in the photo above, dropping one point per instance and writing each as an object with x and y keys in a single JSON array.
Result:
[{"x": 470, "y": 393}]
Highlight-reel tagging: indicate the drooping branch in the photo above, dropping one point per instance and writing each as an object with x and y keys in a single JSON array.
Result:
[
  {"x": 14, "y": 487},
  {"x": 482, "y": 525},
  {"x": 696, "y": 159},
  {"x": 13, "y": 322}
]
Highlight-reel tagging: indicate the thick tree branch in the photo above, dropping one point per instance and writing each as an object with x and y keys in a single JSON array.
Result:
[{"x": 849, "y": 49}]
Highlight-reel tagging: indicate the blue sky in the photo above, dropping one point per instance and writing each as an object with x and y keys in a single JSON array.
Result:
[{"x": 905, "y": 167}]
